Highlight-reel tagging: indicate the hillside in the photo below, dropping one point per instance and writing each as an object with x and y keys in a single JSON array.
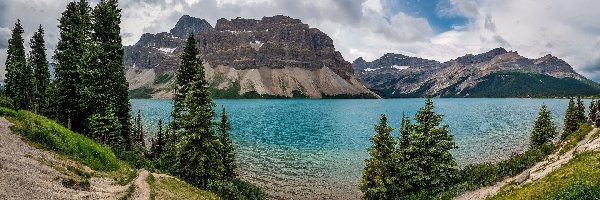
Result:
[
  {"x": 571, "y": 172},
  {"x": 274, "y": 57},
  {"x": 496, "y": 73},
  {"x": 43, "y": 160}
]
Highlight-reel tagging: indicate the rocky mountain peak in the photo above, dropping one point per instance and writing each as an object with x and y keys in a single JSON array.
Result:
[
  {"x": 470, "y": 59},
  {"x": 187, "y": 24}
]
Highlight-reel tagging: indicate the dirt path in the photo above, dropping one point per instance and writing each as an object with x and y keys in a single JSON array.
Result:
[
  {"x": 538, "y": 171},
  {"x": 142, "y": 189},
  {"x": 25, "y": 173}
]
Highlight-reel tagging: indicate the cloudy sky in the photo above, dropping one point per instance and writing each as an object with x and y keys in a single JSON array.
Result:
[{"x": 434, "y": 29}]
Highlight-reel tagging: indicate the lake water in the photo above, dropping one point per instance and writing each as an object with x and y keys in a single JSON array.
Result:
[{"x": 315, "y": 148}]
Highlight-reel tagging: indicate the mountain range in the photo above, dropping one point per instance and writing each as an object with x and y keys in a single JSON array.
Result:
[
  {"x": 496, "y": 73},
  {"x": 274, "y": 57},
  {"x": 281, "y": 57}
]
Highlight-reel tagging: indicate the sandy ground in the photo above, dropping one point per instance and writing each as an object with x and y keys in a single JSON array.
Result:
[
  {"x": 23, "y": 176},
  {"x": 142, "y": 189},
  {"x": 538, "y": 171}
]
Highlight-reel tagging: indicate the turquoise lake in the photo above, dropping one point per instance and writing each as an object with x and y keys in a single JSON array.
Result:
[{"x": 315, "y": 148}]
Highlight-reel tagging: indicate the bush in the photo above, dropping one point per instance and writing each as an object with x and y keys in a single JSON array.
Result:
[
  {"x": 47, "y": 134},
  {"x": 7, "y": 112},
  {"x": 236, "y": 189}
]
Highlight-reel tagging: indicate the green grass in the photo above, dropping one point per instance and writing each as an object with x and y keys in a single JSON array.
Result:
[
  {"x": 578, "y": 179},
  {"x": 151, "y": 182},
  {"x": 163, "y": 78},
  {"x": 44, "y": 133},
  {"x": 473, "y": 177},
  {"x": 173, "y": 189},
  {"x": 573, "y": 138},
  {"x": 144, "y": 92}
]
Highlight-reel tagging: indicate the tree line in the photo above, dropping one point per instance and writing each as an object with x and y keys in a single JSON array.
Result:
[
  {"x": 418, "y": 164},
  {"x": 89, "y": 95}
]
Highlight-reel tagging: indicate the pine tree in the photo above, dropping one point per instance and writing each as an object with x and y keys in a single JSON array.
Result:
[
  {"x": 106, "y": 129},
  {"x": 378, "y": 174},
  {"x": 570, "y": 121},
  {"x": 227, "y": 153},
  {"x": 160, "y": 139},
  {"x": 428, "y": 164},
  {"x": 580, "y": 114},
  {"x": 199, "y": 159},
  {"x": 19, "y": 82},
  {"x": 41, "y": 78},
  {"x": 185, "y": 74},
  {"x": 73, "y": 56},
  {"x": 108, "y": 54},
  {"x": 543, "y": 129},
  {"x": 404, "y": 131}
]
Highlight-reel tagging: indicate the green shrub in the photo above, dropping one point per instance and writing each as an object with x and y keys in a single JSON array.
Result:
[
  {"x": 236, "y": 189},
  {"x": 47, "y": 134},
  {"x": 7, "y": 112}
]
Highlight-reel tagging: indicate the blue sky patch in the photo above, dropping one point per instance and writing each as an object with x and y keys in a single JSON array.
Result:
[{"x": 435, "y": 11}]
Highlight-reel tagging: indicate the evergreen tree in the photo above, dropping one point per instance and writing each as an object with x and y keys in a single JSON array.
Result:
[
  {"x": 428, "y": 164},
  {"x": 19, "y": 83},
  {"x": 227, "y": 153},
  {"x": 160, "y": 139},
  {"x": 543, "y": 129},
  {"x": 580, "y": 111},
  {"x": 105, "y": 128},
  {"x": 108, "y": 57},
  {"x": 199, "y": 158},
  {"x": 41, "y": 78},
  {"x": 185, "y": 74},
  {"x": 570, "y": 122},
  {"x": 378, "y": 174},
  {"x": 73, "y": 56},
  {"x": 404, "y": 131}
]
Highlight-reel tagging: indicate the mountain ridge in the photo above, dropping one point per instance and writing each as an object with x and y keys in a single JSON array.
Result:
[
  {"x": 273, "y": 57},
  {"x": 397, "y": 75}
]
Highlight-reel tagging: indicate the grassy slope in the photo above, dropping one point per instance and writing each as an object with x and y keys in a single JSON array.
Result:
[
  {"x": 46, "y": 134},
  {"x": 578, "y": 179},
  {"x": 170, "y": 188}
]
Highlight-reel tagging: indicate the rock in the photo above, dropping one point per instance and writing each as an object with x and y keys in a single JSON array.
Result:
[
  {"x": 519, "y": 179},
  {"x": 187, "y": 24},
  {"x": 274, "y": 46}
]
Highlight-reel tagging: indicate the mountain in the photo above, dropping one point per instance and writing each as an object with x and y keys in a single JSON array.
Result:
[
  {"x": 274, "y": 57},
  {"x": 496, "y": 73}
]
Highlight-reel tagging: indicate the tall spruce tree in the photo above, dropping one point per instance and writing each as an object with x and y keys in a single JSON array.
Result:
[
  {"x": 73, "y": 56},
  {"x": 580, "y": 111},
  {"x": 41, "y": 78},
  {"x": 428, "y": 164},
  {"x": 108, "y": 56},
  {"x": 227, "y": 153},
  {"x": 199, "y": 160},
  {"x": 19, "y": 82},
  {"x": 570, "y": 121},
  {"x": 543, "y": 129},
  {"x": 185, "y": 74},
  {"x": 378, "y": 174}
]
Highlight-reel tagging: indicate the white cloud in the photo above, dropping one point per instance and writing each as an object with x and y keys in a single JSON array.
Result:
[{"x": 567, "y": 29}]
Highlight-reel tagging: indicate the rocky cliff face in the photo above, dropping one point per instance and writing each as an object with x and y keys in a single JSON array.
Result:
[
  {"x": 396, "y": 75},
  {"x": 273, "y": 57}
]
